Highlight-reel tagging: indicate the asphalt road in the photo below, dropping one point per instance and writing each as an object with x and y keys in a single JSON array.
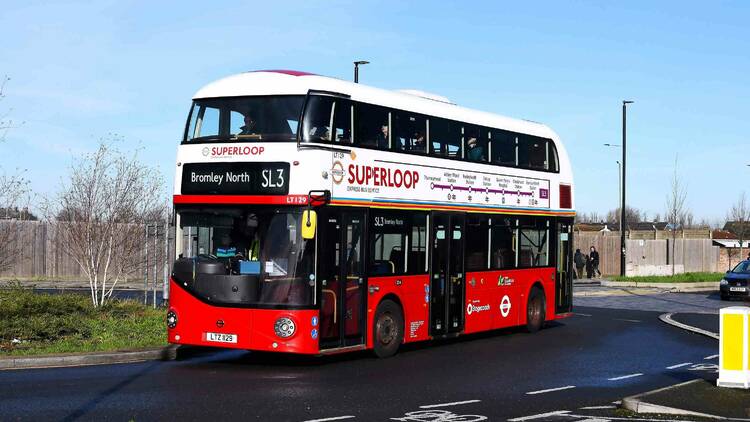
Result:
[{"x": 597, "y": 356}]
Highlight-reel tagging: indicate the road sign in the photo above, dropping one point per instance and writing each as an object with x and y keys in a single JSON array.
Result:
[{"x": 734, "y": 353}]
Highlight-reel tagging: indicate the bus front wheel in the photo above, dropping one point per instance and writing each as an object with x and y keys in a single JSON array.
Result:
[
  {"x": 388, "y": 329},
  {"x": 535, "y": 310}
]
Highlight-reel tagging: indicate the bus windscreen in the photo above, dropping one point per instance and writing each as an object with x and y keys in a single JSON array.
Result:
[{"x": 263, "y": 118}]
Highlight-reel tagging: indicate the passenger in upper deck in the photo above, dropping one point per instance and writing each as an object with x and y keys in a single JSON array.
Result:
[
  {"x": 250, "y": 126},
  {"x": 382, "y": 138},
  {"x": 419, "y": 144},
  {"x": 475, "y": 151}
]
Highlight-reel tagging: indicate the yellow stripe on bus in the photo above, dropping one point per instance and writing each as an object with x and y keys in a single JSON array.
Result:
[{"x": 732, "y": 342}]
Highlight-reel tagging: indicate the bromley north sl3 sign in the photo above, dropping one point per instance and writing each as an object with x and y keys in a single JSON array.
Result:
[{"x": 235, "y": 178}]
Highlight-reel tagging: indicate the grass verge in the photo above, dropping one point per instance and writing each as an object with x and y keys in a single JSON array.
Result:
[
  {"x": 677, "y": 278},
  {"x": 40, "y": 324}
]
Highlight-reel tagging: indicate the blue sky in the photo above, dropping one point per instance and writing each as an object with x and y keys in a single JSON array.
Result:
[{"x": 84, "y": 70}]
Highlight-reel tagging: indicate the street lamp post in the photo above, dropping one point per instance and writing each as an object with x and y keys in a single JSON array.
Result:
[
  {"x": 356, "y": 69},
  {"x": 619, "y": 182},
  {"x": 624, "y": 184}
]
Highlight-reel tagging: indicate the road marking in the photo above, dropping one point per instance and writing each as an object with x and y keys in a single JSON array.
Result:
[
  {"x": 680, "y": 365},
  {"x": 336, "y": 418},
  {"x": 549, "y": 390},
  {"x": 540, "y": 416},
  {"x": 455, "y": 403},
  {"x": 711, "y": 357},
  {"x": 576, "y": 313},
  {"x": 598, "y": 407},
  {"x": 618, "y": 402},
  {"x": 594, "y": 420},
  {"x": 627, "y": 320},
  {"x": 624, "y": 377}
]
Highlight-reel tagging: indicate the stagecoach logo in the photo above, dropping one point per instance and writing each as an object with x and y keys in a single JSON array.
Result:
[
  {"x": 205, "y": 151},
  {"x": 472, "y": 308},
  {"x": 505, "y": 306},
  {"x": 337, "y": 172}
]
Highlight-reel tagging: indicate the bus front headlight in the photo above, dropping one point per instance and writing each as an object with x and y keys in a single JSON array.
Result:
[
  {"x": 284, "y": 327},
  {"x": 171, "y": 319}
]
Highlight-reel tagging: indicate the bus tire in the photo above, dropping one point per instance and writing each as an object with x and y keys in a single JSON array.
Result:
[
  {"x": 535, "y": 310},
  {"x": 388, "y": 329}
]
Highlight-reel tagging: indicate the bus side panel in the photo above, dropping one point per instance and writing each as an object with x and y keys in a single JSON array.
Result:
[
  {"x": 493, "y": 299},
  {"x": 413, "y": 294},
  {"x": 254, "y": 327},
  {"x": 498, "y": 299}
]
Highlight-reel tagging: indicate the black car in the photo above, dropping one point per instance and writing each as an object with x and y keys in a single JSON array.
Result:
[{"x": 735, "y": 282}]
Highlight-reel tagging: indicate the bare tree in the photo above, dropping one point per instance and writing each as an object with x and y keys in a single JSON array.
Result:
[
  {"x": 632, "y": 215},
  {"x": 676, "y": 207},
  {"x": 739, "y": 215},
  {"x": 103, "y": 206},
  {"x": 14, "y": 189}
]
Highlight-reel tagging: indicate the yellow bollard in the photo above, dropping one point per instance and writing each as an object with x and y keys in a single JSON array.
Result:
[{"x": 734, "y": 353}]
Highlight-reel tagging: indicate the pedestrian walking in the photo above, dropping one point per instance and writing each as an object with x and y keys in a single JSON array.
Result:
[
  {"x": 595, "y": 262},
  {"x": 580, "y": 262},
  {"x": 589, "y": 267}
]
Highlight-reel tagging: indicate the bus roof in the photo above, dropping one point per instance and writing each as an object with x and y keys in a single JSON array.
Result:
[{"x": 291, "y": 82}]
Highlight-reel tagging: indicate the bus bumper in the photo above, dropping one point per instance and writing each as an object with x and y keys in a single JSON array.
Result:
[{"x": 200, "y": 324}]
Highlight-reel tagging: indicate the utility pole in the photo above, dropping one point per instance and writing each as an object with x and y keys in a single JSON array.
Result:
[
  {"x": 622, "y": 206},
  {"x": 356, "y": 69}
]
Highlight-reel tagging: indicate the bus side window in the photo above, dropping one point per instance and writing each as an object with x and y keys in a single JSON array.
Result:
[
  {"x": 532, "y": 152},
  {"x": 409, "y": 132},
  {"x": 503, "y": 147},
  {"x": 445, "y": 138},
  {"x": 342, "y": 122},
  {"x": 317, "y": 121},
  {"x": 372, "y": 126},
  {"x": 477, "y": 242},
  {"x": 388, "y": 253},
  {"x": 418, "y": 244},
  {"x": 475, "y": 142},
  {"x": 502, "y": 247}
]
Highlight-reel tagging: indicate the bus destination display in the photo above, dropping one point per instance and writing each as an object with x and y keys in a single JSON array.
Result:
[{"x": 235, "y": 178}]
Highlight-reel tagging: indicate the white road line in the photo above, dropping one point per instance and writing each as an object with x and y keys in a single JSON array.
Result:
[
  {"x": 627, "y": 320},
  {"x": 711, "y": 357},
  {"x": 576, "y": 313},
  {"x": 624, "y": 377},
  {"x": 598, "y": 407},
  {"x": 540, "y": 416},
  {"x": 336, "y": 418},
  {"x": 455, "y": 403},
  {"x": 680, "y": 365},
  {"x": 549, "y": 390},
  {"x": 618, "y": 402}
]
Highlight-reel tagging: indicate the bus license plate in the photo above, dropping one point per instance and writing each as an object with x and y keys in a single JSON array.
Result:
[
  {"x": 221, "y": 338},
  {"x": 738, "y": 289}
]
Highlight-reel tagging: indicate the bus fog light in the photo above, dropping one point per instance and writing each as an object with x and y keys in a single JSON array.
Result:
[
  {"x": 284, "y": 327},
  {"x": 171, "y": 319}
]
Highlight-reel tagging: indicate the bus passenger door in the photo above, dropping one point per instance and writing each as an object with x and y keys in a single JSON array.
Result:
[
  {"x": 447, "y": 274},
  {"x": 564, "y": 278},
  {"x": 341, "y": 278}
]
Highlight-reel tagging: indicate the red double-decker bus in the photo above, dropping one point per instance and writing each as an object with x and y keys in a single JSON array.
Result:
[{"x": 317, "y": 216}]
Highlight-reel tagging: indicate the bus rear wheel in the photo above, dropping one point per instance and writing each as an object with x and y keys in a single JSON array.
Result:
[
  {"x": 388, "y": 329},
  {"x": 535, "y": 310}
]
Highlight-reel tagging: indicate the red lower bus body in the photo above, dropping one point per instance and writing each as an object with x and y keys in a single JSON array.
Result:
[{"x": 493, "y": 300}]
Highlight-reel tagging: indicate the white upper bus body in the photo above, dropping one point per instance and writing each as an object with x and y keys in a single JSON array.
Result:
[{"x": 359, "y": 176}]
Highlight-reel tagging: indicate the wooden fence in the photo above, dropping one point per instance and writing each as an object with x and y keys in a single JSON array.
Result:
[
  {"x": 40, "y": 253},
  {"x": 688, "y": 254}
]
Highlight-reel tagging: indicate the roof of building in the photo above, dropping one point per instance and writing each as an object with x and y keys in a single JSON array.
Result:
[{"x": 731, "y": 243}]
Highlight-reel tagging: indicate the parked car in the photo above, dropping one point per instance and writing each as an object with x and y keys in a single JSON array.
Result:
[{"x": 735, "y": 282}]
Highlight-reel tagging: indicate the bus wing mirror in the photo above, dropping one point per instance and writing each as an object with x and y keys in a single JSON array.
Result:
[{"x": 309, "y": 223}]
